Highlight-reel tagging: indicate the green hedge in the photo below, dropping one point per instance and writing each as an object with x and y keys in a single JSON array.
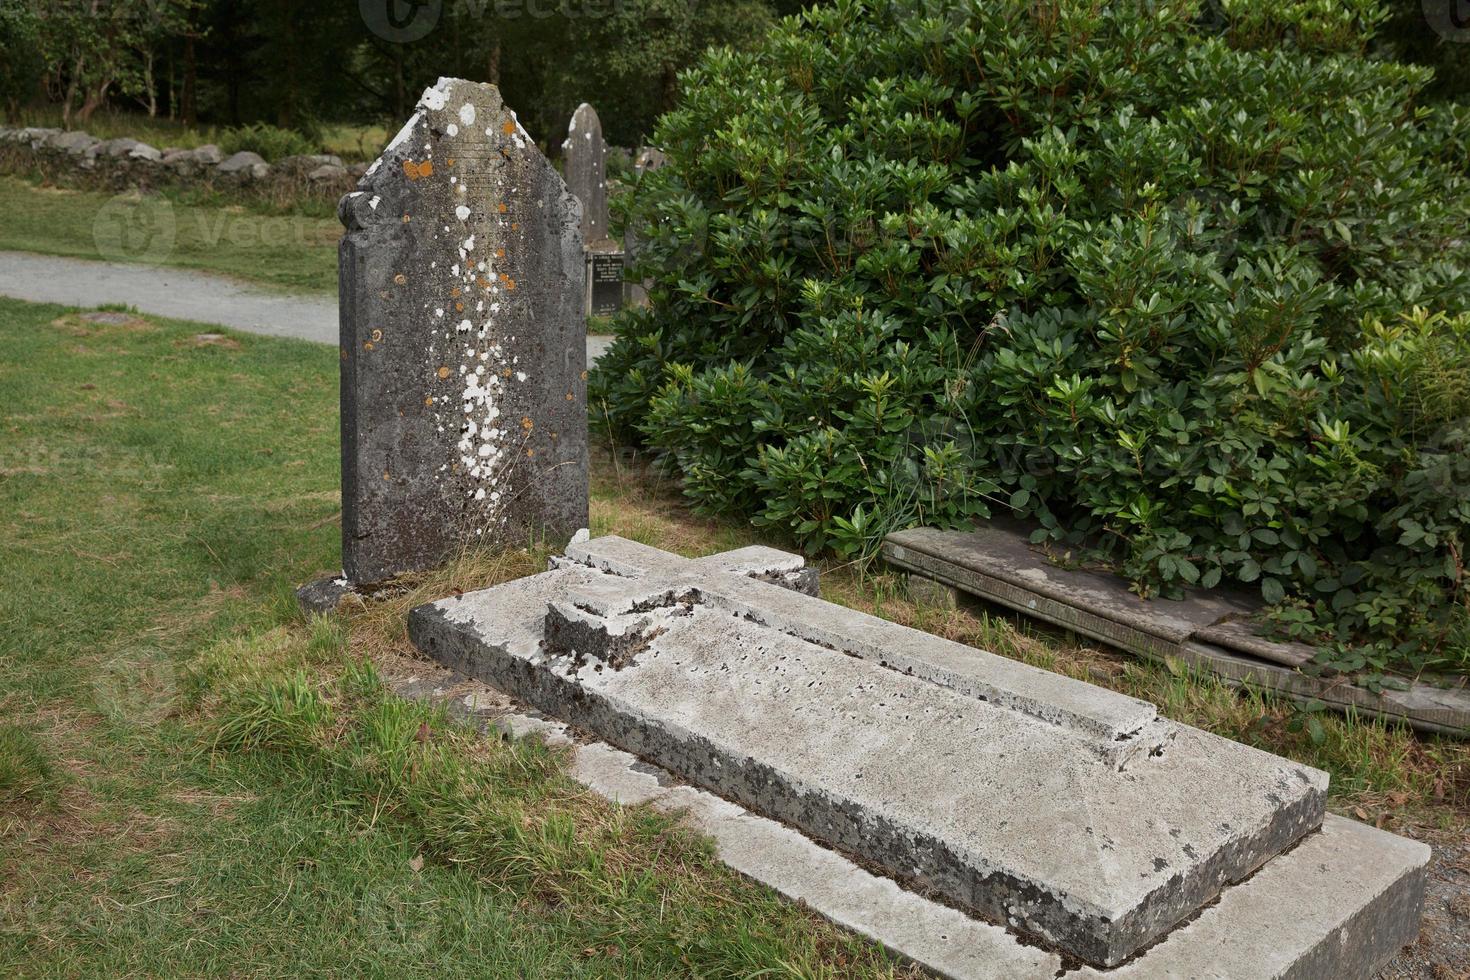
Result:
[{"x": 1183, "y": 283}]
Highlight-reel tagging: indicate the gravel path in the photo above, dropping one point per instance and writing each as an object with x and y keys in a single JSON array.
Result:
[{"x": 182, "y": 294}]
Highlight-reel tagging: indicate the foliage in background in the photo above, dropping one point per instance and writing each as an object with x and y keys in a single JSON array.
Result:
[
  {"x": 1183, "y": 284},
  {"x": 20, "y": 55},
  {"x": 271, "y": 142}
]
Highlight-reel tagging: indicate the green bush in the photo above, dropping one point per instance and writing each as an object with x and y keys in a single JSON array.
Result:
[
  {"x": 1182, "y": 283},
  {"x": 271, "y": 142}
]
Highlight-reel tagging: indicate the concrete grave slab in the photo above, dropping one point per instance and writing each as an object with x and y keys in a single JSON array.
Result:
[
  {"x": 1010, "y": 791},
  {"x": 464, "y": 409},
  {"x": 1361, "y": 888}
]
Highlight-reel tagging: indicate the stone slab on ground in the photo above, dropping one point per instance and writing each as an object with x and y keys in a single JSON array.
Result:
[
  {"x": 1207, "y": 629},
  {"x": 464, "y": 375},
  {"x": 989, "y": 783},
  {"x": 1255, "y": 930}
]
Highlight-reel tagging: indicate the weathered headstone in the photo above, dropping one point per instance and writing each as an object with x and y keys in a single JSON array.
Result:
[
  {"x": 635, "y": 292},
  {"x": 585, "y": 163},
  {"x": 464, "y": 412},
  {"x": 1071, "y": 814},
  {"x": 604, "y": 283}
]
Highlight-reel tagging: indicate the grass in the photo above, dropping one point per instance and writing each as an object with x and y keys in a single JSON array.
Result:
[
  {"x": 196, "y": 780},
  {"x": 351, "y": 142},
  {"x": 287, "y": 252},
  {"x": 230, "y": 790}
]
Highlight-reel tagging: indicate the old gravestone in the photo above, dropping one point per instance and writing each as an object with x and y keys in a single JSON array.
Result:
[
  {"x": 464, "y": 415},
  {"x": 635, "y": 292},
  {"x": 585, "y": 166},
  {"x": 604, "y": 282}
]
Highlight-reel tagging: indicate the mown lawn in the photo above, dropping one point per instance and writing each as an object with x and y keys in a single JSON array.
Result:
[
  {"x": 284, "y": 251},
  {"x": 196, "y": 780}
]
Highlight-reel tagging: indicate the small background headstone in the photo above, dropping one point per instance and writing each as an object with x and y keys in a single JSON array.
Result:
[
  {"x": 585, "y": 165},
  {"x": 464, "y": 411},
  {"x": 604, "y": 282}
]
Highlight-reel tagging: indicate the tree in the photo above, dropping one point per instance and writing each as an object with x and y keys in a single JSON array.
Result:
[{"x": 20, "y": 55}]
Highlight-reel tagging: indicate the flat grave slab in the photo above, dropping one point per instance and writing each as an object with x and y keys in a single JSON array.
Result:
[{"x": 1001, "y": 787}]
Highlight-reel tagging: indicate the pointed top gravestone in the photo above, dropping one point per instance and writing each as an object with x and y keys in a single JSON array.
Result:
[
  {"x": 585, "y": 166},
  {"x": 464, "y": 411}
]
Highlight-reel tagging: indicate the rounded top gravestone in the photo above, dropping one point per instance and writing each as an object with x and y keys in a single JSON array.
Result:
[{"x": 585, "y": 165}]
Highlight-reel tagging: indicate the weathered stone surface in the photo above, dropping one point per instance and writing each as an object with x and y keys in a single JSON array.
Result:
[
  {"x": 464, "y": 410},
  {"x": 303, "y": 164},
  {"x": 324, "y": 595},
  {"x": 997, "y": 785},
  {"x": 327, "y": 173},
  {"x": 648, "y": 158},
  {"x": 119, "y": 147},
  {"x": 73, "y": 141},
  {"x": 244, "y": 165},
  {"x": 585, "y": 163},
  {"x": 145, "y": 152},
  {"x": 208, "y": 154},
  {"x": 1338, "y": 906}
]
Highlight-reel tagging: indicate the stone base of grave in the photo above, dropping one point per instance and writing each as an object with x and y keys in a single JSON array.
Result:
[
  {"x": 324, "y": 595},
  {"x": 1054, "y": 811}
]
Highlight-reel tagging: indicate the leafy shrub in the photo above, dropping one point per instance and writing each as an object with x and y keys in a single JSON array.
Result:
[
  {"x": 271, "y": 142},
  {"x": 1183, "y": 283}
]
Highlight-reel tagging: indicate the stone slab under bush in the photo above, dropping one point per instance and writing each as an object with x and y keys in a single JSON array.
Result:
[
  {"x": 1208, "y": 630},
  {"x": 1002, "y": 805}
]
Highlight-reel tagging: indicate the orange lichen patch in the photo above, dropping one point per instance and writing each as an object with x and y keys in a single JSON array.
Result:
[
  {"x": 429, "y": 401},
  {"x": 571, "y": 397},
  {"x": 530, "y": 452},
  {"x": 482, "y": 282},
  {"x": 527, "y": 424},
  {"x": 459, "y": 307},
  {"x": 505, "y": 373},
  {"x": 507, "y": 281},
  {"x": 584, "y": 375},
  {"x": 344, "y": 353},
  {"x": 449, "y": 162},
  {"x": 413, "y": 171},
  {"x": 508, "y": 127},
  {"x": 443, "y": 372},
  {"x": 454, "y": 292},
  {"x": 367, "y": 345},
  {"x": 515, "y": 226},
  {"x": 500, "y": 253},
  {"x": 400, "y": 279},
  {"x": 502, "y": 208}
]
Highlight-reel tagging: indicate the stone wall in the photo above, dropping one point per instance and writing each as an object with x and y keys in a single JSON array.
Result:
[{"x": 120, "y": 164}]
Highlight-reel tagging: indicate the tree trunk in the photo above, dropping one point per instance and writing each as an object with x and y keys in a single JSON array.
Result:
[
  {"x": 187, "y": 111},
  {"x": 492, "y": 68},
  {"x": 95, "y": 98}
]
